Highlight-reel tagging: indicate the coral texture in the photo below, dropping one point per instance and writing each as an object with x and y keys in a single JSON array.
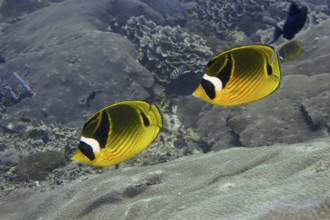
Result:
[
  {"x": 164, "y": 48},
  {"x": 226, "y": 17},
  {"x": 242, "y": 19},
  {"x": 278, "y": 182}
]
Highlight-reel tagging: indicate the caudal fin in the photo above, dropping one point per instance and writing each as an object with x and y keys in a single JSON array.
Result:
[{"x": 277, "y": 33}]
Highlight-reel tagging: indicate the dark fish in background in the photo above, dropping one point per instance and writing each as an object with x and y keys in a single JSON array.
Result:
[
  {"x": 91, "y": 97},
  {"x": 294, "y": 22},
  {"x": 2, "y": 59},
  {"x": 178, "y": 71}
]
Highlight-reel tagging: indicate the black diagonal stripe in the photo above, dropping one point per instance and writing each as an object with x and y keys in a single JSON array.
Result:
[
  {"x": 102, "y": 131},
  {"x": 210, "y": 63},
  {"x": 224, "y": 74},
  {"x": 208, "y": 88}
]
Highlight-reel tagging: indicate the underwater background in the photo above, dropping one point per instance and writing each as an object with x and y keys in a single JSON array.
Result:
[{"x": 63, "y": 60}]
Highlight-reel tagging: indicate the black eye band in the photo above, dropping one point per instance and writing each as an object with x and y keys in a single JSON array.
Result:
[
  {"x": 208, "y": 88},
  {"x": 87, "y": 150}
]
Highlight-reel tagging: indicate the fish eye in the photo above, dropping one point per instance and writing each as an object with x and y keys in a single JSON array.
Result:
[
  {"x": 269, "y": 70},
  {"x": 87, "y": 150}
]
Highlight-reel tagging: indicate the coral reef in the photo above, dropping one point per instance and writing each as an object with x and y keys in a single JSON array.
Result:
[
  {"x": 161, "y": 49},
  {"x": 29, "y": 144},
  {"x": 278, "y": 182},
  {"x": 9, "y": 157},
  {"x": 317, "y": 108},
  {"x": 13, "y": 89},
  {"x": 16, "y": 8},
  {"x": 38, "y": 166},
  {"x": 242, "y": 19},
  {"x": 226, "y": 18}
]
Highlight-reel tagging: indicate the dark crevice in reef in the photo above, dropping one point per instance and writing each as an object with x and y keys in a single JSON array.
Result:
[
  {"x": 236, "y": 138},
  {"x": 205, "y": 146},
  {"x": 309, "y": 121}
]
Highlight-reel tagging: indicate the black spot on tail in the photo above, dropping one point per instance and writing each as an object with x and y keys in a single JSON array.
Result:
[
  {"x": 146, "y": 121},
  {"x": 208, "y": 88}
]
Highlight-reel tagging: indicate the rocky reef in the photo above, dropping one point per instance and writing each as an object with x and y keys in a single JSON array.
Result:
[
  {"x": 297, "y": 111},
  {"x": 245, "y": 20},
  {"x": 64, "y": 60},
  {"x": 13, "y": 89},
  {"x": 278, "y": 182},
  {"x": 161, "y": 49}
]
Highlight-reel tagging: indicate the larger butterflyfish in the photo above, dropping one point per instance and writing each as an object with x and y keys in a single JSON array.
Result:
[
  {"x": 118, "y": 132},
  {"x": 243, "y": 74}
]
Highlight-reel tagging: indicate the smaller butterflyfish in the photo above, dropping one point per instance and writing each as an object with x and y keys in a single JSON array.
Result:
[
  {"x": 178, "y": 71},
  {"x": 244, "y": 74},
  {"x": 290, "y": 51},
  {"x": 118, "y": 132},
  {"x": 294, "y": 22}
]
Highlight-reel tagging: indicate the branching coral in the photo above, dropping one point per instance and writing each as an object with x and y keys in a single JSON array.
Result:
[
  {"x": 13, "y": 89},
  {"x": 164, "y": 48},
  {"x": 226, "y": 18}
]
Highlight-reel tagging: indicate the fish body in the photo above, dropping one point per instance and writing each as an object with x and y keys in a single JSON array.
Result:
[
  {"x": 240, "y": 75},
  {"x": 118, "y": 132},
  {"x": 290, "y": 50},
  {"x": 178, "y": 71},
  {"x": 294, "y": 22}
]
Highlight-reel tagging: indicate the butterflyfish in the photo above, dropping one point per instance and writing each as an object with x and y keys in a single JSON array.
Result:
[
  {"x": 118, "y": 132},
  {"x": 240, "y": 75},
  {"x": 294, "y": 22},
  {"x": 290, "y": 51}
]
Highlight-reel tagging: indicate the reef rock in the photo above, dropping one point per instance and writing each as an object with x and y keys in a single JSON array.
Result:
[
  {"x": 70, "y": 55},
  {"x": 12, "y": 9},
  {"x": 281, "y": 182},
  {"x": 317, "y": 110},
  {"x": 226, "y": 18},
  {"x": 163, "y": 48},
  {"x": 278, "y": 118},
  {"x": 37, "y": 166},
  {"x": 298, "y": 111}
]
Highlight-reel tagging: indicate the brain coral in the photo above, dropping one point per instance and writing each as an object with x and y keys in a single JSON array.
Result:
[{"x": 163, "y": 48}]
